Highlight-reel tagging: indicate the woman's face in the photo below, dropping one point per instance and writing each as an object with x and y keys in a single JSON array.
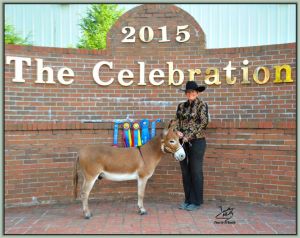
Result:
[{"x": 191, "y": 95}]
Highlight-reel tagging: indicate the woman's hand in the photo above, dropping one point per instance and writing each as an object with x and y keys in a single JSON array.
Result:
[{"x": 180, "y": 134}]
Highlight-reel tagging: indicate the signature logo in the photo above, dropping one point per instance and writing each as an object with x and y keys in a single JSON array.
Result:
[{"x": 224, "y": 216}]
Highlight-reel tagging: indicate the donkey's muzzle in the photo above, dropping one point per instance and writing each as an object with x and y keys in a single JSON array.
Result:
[{"x": 179, "y": 154}]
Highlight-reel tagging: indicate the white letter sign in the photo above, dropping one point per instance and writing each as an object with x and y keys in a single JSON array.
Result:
[
  {"x": 96, "y": 73},
  {"x": 18, "y": 67}
]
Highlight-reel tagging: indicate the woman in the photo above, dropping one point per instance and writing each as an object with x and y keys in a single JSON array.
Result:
[{"x": 191, "y": 121}]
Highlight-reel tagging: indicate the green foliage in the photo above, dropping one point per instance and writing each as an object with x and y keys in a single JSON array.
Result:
[
  {"x": 94, "y": 27},
  {"x": 12, "y": 37}
]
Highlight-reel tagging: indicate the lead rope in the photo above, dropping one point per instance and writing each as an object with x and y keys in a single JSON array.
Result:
[
  {"x": 186, "y": 154},
  {"x": 139, "y": 148},
  {"x": 190, "y": 144}
]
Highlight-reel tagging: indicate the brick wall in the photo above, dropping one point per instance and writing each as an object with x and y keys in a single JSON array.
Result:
[{"x": 251, "y": 152}]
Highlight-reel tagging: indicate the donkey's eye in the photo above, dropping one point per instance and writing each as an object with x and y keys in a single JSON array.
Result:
[{"x": 172, "y": 141}]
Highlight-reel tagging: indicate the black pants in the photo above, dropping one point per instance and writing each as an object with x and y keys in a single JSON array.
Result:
[{"x": 192, "y": 171}]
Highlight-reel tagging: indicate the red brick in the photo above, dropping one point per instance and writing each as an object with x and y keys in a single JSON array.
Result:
[{"x": 243, "y": 116}]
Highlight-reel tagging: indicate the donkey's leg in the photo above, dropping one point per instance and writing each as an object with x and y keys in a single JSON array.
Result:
[
  {"x": 141, "y": 192},
  {"x": 87, "y": 186}
]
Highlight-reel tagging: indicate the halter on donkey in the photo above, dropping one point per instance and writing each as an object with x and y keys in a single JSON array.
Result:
[{"x": 119, "y": 164}]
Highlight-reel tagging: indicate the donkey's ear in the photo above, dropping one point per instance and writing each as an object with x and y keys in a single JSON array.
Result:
[
  {"x": 171, "y": 124},
  {"x": 164, "y": 133}
]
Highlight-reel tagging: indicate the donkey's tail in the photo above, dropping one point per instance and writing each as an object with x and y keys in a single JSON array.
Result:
[{"x": 75, "y": 177}]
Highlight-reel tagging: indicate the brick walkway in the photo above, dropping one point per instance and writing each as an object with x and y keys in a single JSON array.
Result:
[{"x": 163, "y": 218}]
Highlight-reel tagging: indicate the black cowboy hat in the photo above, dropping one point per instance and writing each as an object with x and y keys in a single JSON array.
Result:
[{"x": 192, "y": 85}]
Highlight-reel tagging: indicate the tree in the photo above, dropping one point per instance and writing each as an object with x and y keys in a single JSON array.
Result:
[
  {"x": 94, "y": 27},
  {"x": 12, "y": 37}
]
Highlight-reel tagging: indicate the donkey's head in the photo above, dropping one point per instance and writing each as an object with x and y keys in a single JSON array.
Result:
[{"x": 170, "y": 144}]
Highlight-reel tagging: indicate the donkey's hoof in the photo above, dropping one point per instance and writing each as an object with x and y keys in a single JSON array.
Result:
[
  {"x": 142, "y": 212},
  {"x": 88, "y": 215}
]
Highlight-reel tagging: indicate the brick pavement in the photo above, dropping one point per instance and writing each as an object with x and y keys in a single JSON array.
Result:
[{"x": 120, "y": 217}]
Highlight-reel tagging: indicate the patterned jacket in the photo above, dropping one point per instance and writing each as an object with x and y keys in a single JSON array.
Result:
[{"x": 192, "y": 119}]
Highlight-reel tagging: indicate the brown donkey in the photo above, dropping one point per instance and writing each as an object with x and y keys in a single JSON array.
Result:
[{"x": 119, "y": 164}]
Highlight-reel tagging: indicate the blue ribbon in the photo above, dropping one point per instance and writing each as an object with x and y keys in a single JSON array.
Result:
[
  {"x": 145, "y": 130},
  {"x": 116, "y": 129},
  {"x": 153, "y": 128}
]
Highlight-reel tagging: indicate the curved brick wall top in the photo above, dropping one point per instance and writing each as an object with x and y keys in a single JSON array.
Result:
[{"x": 156, "y": 16}]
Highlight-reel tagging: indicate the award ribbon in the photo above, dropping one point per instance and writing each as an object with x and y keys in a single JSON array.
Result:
[
  {"x": 136, "y": 134},
  {"x": 153, "y": 128},
  {"x": 145, "y": 130},
  {"x": 127, "y": 134}
]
